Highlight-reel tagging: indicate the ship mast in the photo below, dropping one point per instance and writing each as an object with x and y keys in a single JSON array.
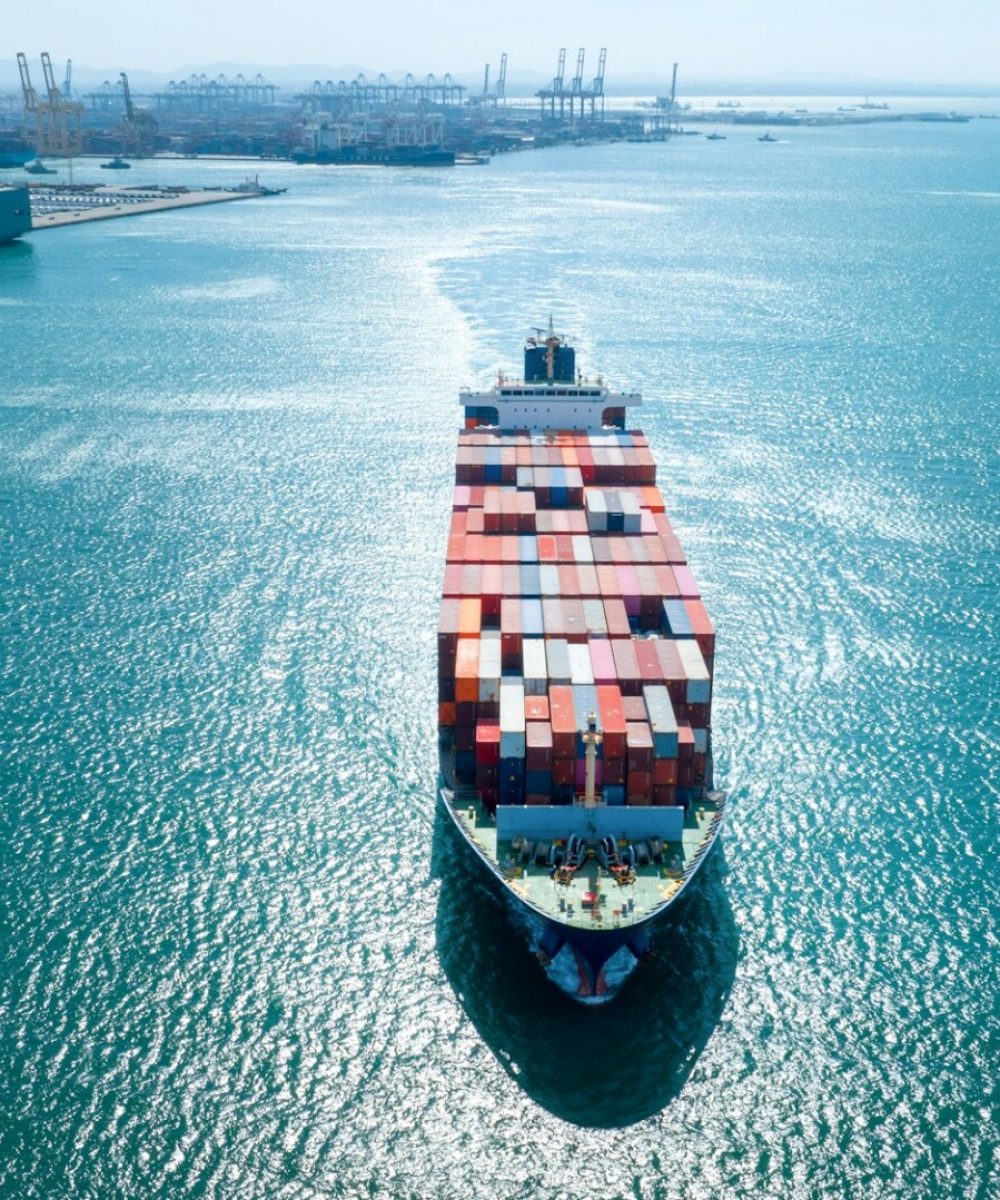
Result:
[{"x": 591, "y": 739}]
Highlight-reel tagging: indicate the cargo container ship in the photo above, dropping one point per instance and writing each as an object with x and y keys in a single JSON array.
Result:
[
  {"x": 15, "y": 212},
  {"x": 575, "y": 661}
]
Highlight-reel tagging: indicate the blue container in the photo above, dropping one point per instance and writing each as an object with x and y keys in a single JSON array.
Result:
[
  {"x": 527, "y": 548},
  {"x": 613, "y": 795},
  {"x": 538, "y": 783},
  {"x": 676, "y": 621},
  {"x": 530, "y": 580},
  {"x": 465, "y": 764},
  {"x": 532, "y": 624}
]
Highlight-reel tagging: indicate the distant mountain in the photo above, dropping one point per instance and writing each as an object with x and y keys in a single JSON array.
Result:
[{"x": 519, "y": 82}]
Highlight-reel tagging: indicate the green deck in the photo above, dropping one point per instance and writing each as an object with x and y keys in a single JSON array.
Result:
[{"x": 616, "y": 906}]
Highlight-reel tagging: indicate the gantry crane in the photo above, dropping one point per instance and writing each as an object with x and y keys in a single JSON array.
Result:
[
  {"x": 597, "y": 87},
  {"x": 64, "y": 116},
  {"x": 139, "y": 129}
]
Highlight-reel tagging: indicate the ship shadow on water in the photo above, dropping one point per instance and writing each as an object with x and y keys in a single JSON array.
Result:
[{"x": 608, "y": 1066}]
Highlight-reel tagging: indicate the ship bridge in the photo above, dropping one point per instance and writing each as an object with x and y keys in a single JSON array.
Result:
[{"x": 552, "y": 395}]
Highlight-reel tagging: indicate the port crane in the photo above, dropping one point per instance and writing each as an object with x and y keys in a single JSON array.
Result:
[
  {"x": 55, "y": 118},
  {"x": 139, "y": 129}
]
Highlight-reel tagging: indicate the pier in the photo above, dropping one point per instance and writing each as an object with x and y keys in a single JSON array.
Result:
[{"x": 55, "y": 205}]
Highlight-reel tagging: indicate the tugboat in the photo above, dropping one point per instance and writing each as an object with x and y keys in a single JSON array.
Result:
[
  {"x": 767, "y": 138},
  {"x": 575, "y": 662},
  {"x": 116, "y": 164}
]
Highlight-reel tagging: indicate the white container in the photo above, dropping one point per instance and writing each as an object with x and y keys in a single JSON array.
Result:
[
  {"x": 582, "y": 550},
  {"x": 536, "y": 678},
  {"x": 699, "y": 682},
  {"x": 581, "y": 670}
]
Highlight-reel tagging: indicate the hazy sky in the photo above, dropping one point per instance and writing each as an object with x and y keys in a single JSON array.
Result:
[{"x": 921, "y": 40}]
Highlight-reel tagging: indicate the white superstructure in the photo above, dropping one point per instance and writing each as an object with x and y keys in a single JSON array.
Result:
[{"x": 551, "y": 395}]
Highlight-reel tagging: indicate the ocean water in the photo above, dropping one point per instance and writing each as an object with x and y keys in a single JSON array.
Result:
[{"x": 242, "y": 955}]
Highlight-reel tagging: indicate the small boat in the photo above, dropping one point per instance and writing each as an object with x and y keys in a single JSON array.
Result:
[
  {"x": 471, "y": 160},
  {"x": 39, "y": 168},
  {"x": 254, "y": 187},
  {"x": 767, "y": 138},
  {"x": 715, "y": 137},
  {"x": 116, "y": 164}
]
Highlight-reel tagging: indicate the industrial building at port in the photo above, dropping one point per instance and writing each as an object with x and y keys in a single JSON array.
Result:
[{"x": 253, "y": 117}]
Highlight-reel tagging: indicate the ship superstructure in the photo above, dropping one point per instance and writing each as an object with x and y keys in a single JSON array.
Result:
[{"x": 575, "y": 664}]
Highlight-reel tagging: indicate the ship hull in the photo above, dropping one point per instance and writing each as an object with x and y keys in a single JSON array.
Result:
[
  {"x": 15, "y": 213},
  {"x": 589, "y": 965}
]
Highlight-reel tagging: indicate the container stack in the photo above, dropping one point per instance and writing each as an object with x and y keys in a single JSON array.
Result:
[{"x": 566, "y": 598}]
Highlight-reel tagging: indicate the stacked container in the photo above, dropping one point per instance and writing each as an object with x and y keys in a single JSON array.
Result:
[{"x": 567, "y": 599}]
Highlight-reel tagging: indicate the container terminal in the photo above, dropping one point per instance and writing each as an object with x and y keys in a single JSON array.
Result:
[{"x": 430, "y": 121}]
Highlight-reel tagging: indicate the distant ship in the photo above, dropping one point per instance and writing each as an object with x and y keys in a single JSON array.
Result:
[
  {"x": 367, "y": 154},
  {"x": 39, "y": 168},
  {"x": 715, "y": 137},
  {"x": 116, "y": 164},
  {"x": 574, "y": 672},
  {"x": 15, "y": 212},
  {"x": 766, "y": 138},
  {"x": 15, "y": 152}
]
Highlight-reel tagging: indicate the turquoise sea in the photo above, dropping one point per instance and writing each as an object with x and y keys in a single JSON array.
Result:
[{"x": 242, "y": 955}]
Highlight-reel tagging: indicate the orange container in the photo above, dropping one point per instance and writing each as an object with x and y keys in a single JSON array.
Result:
[
  {"x": 470, "y": 617},
  {"x": 467, "y": 672}
]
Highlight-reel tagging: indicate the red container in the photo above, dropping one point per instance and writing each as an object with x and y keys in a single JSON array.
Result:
[
  {"x": 614, "y": 772},
  {"x": 602, "y": 661},
  {"x": 639, "y": 787},
  {"x": 467, "y": 671},
  {"x": 648, "y": 660},
  {"x": 609, "y": 704},
  {"x": 446, "y": 715},
  {"x": 536, "y": 708},
  {"x": 664, "y": 772},
  {"x": 617, "y": 618},
  {"x": 563, "y": 772},
  {"x": 685, "y": 742},
  {"x": 564, "y": 547},
  {"x": 488, "y": 742},
  {"x": 563, "y": 719},
  {"x": 474, "y": 522},
  {"x": 492, "y": 588},
  {"x": 627, "y": 666},
  {"x": 704, "y": 630},
  {"x": 607, "y": 581},
  {"x": 538, "y": 746},
  {"x": 664, "y": 796},
  {"x": 639, "y": 747}
]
